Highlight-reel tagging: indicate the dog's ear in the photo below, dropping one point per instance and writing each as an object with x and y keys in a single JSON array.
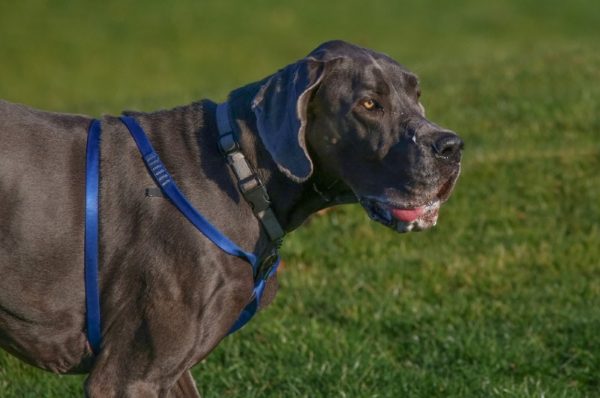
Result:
[{"x": 280, "y": 107}]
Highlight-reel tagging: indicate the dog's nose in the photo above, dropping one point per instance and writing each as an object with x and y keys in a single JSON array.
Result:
[{"x": 447, "y": 145}]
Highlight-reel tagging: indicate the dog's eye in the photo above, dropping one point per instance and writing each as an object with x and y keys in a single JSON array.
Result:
[
  {"x": 418, "y": 93},
  {"x": 370, "y": 104}
]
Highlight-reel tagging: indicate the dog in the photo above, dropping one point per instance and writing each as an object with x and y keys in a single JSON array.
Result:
[{"x": 342, "y": 125}]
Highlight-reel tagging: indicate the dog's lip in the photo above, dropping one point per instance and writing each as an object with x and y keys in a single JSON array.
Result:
[
  {"x": 390, "y": 213},
  {"x": 407, "y": 214},
  {"x": 446, "y": 188}
]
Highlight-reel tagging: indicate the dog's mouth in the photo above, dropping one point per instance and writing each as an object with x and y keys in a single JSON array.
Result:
[
  {"x": 401, "y": 218},
  {"x": 406, "y": 217}
]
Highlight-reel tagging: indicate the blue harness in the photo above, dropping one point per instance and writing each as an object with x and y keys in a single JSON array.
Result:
[{"x": 170, "y": 190}]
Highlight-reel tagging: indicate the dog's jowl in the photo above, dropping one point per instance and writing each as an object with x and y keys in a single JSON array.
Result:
[{"x": 342, "y": 125}]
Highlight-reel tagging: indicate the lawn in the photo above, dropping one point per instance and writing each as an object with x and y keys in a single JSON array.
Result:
[{"x": 501, "y": 299}]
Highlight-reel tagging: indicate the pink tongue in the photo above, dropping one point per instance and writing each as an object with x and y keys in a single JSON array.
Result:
[{"x": 408, "y": 215}]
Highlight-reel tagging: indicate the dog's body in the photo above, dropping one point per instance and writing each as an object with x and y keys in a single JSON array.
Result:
[{"x": 343, "y": 121}]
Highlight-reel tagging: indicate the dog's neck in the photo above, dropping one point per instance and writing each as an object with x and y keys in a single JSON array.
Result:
[{"x": 292, "y": 202}]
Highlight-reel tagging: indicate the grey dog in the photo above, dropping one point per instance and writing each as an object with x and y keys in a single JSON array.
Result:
[{"x": 344, "y": 124}]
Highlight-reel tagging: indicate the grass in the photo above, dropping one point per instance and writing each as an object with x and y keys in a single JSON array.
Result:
[{"x": 501, "y": 299}]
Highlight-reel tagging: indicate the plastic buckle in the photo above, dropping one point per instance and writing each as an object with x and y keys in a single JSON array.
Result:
[
  {"x": 249, "y": 184},
  {"x": 257, "y": 196},
  {"x": 228, "y": 143}
]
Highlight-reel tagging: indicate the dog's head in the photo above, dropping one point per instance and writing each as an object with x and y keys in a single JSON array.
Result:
[{"x": 355, "y": 115}]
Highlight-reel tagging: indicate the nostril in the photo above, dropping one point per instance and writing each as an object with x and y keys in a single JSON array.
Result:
[{"x": 448, "y": 145}]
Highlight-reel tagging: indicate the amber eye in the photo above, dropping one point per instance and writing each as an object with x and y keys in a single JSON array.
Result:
[{"x": 369, "y": 104}]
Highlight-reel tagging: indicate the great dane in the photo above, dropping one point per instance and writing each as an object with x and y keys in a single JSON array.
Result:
[{"x": 344, "y": 124}]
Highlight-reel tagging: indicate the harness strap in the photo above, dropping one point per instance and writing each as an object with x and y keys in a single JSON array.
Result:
[
  {"x": 164, "y": 180},
  {"x": 249, "y": 183},
  {"x": 166, "y": 183},
  {"x": 92, "y": 180},
  {"x": 262, "y": 270}
]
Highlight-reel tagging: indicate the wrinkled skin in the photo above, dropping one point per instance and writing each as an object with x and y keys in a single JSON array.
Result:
[{"x": 342, "y": 125}]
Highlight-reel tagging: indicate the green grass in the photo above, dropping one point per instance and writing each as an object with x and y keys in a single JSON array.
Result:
[{"x": 502, "y": 299}]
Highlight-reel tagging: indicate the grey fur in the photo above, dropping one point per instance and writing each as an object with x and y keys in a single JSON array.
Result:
[{"x": 168, "y": 295}]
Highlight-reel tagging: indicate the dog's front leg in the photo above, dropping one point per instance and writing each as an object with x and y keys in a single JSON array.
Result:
[
  {"x": 150, "y": 344},
  {"x": 149, "y": 357},
  {"x": 104, "y": 382},
  {"x": 185, "y": 387}
]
